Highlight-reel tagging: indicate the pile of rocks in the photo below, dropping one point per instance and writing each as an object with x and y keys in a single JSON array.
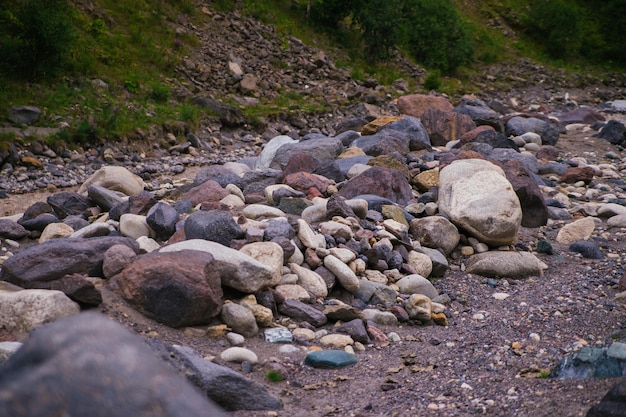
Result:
[{"x": 348, "y": 228}]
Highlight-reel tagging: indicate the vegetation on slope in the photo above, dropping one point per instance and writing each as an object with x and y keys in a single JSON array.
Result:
[{"x": 53, "y": 49}]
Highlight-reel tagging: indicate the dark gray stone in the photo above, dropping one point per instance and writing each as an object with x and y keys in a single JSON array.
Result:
[
  {"x": 24, "y": 114},
  {"x": 615, "y": 132},
  {"x": 300, "y": 311},
  {"x": 104, "y": 197},
  {"x": 162, "y": 219},
  {"x": 56, "y": 258},
  {"x": 613, "y": 404},
  {"x": 356, "y": 330},
  {"x": 322, "y": 149},
  {"x": 87, "y": 365},
  {"x": 330, "y": 359},
  {"x": 67, "y": 203},
  {"x": 480, "y": 113},
  {"x": 414, "y": 130},
  {"x": 518, "y": 125},
  {"x": 214, "y": 225},
  {"x": 588, "y": 249},
  {"x": 10, "y": 229}
]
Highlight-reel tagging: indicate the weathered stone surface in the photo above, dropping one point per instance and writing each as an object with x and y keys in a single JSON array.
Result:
[
  {"x": 55, "y": 231},
  {"x": 68, "y": 204},
  {"x": 23, "y": 310},
  {"x": 115, "y": 178},
  {"x": 269, "y": 254},
  {"x": 56, "y": 258},
  {"x": 237, "y": 270},
  {"x": 174, "y": 288},
  {"x": 10, "y": 229},
  {"x": 445, "y": 126},
  {"x": 89, "y": 365},
  {"x": 214, "y": 225},
  {"x": 300, "y": 311},
  {"x": 23, "y": 114},
  {"x": 134, "y": 225},
  {"x": 613, "y": 404},
  {"x": 435, "y": 232},
  {"x": 322, "y": 149},
  {"x": 532, "y": 202},
  {"x": 207, "y": 191},
  {"x": 162, "y": 219},
  {"x": 518, "y": 125},
  {"x": 416, "y": 104},
  {"x": 264, "y": 160},
  {"x": 477, "y": 197},
  {"x": 413, "y": 130},
  {"x": 382, "y": 182},
  {"x": 480, "y": 113},
  {"x": 417, "y": 284},
  {"x": 615, "y": 132},
  {"x": 505, "y": 264},
  {"x": 309, "y": 280},
  {"x": 240, "y": 319},
  {"x": 116, "y": 258},
  {"x": 344, "y": 274},
  {"x": 578, "y": 230}
]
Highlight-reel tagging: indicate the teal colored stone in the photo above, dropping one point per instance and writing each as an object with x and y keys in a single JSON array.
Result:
[
  {"x": 617, "y": 350},
  {"x": 330, "y": 359},
  {"x": 608, "y": 368},
  {"x": 589, "y": 355}
]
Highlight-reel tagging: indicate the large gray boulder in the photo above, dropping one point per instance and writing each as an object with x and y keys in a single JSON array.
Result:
[
  {"x": 88, "y": 365},
  {"x": 477, "y": 197}
]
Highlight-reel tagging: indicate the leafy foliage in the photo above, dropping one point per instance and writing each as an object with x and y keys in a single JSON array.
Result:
[
  {"x": 36, "y": 37},
  {"x": 557, "y": 25}
]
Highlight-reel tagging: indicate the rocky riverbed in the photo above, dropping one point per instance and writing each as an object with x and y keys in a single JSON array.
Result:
[{"x": 451, "y": 259}]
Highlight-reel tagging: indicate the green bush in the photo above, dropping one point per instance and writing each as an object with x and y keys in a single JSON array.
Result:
[
  {"x": 36, "y": 37},
  {"x": 557, "y": 25},
  {"x": 436, "y": 36}
]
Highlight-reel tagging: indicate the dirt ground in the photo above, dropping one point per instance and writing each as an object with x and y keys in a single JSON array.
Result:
[{"x": 493, "y": 358}]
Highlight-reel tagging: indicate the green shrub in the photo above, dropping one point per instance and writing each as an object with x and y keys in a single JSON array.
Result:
[
  {"x": 159, "y": 93},
  {"x": 36, "y": 37},
  {"x": 555, "y": 24},
  {"x": 436, "y": 36},
  {"x": 432, "y": 81}
]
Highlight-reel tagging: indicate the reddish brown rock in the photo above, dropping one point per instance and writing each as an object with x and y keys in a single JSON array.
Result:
[
  {"x": 377, "y": 335},
  {"x": 534, "y": 208},
  {"x": 304, "y": 181},
  {"x": 471, "y": 135},
  {"x": 174, "y": 288},
  {"x": 383, "y": 182},
  {"x": 576, "y": 174},
  {"x": 207, "y": 191},
  {"x": 445, "y": 126},
  {"x": 547, "y": 153},
  {"x": 416, "y": 104}
]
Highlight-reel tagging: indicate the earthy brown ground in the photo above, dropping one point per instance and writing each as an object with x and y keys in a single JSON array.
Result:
[{"x": 486, "y": 366}]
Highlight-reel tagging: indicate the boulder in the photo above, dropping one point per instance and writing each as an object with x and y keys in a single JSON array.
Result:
[
  {"x": 56, "y": 258},
  {"x": 443, "y": 127},
  {"x": 534, "y": 208},
  {"x": 214, "y": 225},
  {"x": 435, "y": 232},
  {"x": 322, "y": 149},
  {"x": 88, "y": 365},
  {"x": 383, "y": 182},
  {"x": 174, "y": 288},
  {"x": 416, "y": 104},
  {"x": 477, "y": 197},
  {"x": 518, "y": 125},
  {"x": 115, "y": 178},
  {"x": 237, "y": 270},
  {"x": 505, "y": 264}
]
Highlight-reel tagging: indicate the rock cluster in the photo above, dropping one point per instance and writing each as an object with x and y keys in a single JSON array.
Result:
[{"x": 350, "y": 228}]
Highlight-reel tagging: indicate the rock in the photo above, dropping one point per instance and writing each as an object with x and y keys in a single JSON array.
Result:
[
  {"x": 229, "y": 115},
  {"x": 208, "y": 191},
  {"x": 615, "y": 132},
  {"x": 476, "y": 196},
  {"x": 420, "y": 263},
  {"x": 56, "y": 258},
  {"x": 578, "y": 230},
  {"x": 356, "y": 330},
  {"x": 264, "y": 160},
  {"x": 309, "y": 280},
  {"x": 269, "y": 254},
  {"x": 7, "y": 349},
  {"x": 419, "y": 307},
  {"x": 348, "y": 280},
  {"x": 518, "y": 125},
  {"x": 435, "y": 232},
  {"x": 322, "y": 149},
  {"x": 293, "y": 292},
  {"x": 240, "y": 319},
  {"x": 336, "y": 341},
  {"x": 380, "y": 317},
  {"x": 305, "y": 312},
  {"x": 86, "y": 363},
  {"x": 55, "y": 231},
  {"x": 24, "y": 310},
  {"x": 417, "y": 284},
  {"x": 68, "y": 204},
  {"x": 613, "y": 404},
  {"x": 174, "y": 288},
  {"x": 77, "y": 287},
  {"x": 416, "y": 104},
  {"x": 329, "y": 359},
  {"x": 589, "y": 250},
  {"x": 237, "y": 270},
  {"x": 115, "y": 178},
  {"x": 445, "y": 126},
  {"x": 573, "y": 175},
  {"x": 214, "y": 225},
  {"x": 480, "y": 113},
  {"x": 105, "y": 199},
  {"x": 534, "y": 208},
  {"x": 134, "y": 225},
  {"x": 116, "y": 258},
  {"x": 162, "y": 219},
  {"x": 386, "y": 142},
  {"x": 23, "y": 115},
  {"x": 10, "y": 229},
  {"x": 308, "y": 237},
  {"x": 336, "y": 310},
  {"x": 263, "y": 315},
  {"x": 503, "y": 264},
  {"x": 376, "y": 181}
]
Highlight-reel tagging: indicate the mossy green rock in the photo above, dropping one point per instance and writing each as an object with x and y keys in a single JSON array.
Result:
[{"x": 330, "y": 359}]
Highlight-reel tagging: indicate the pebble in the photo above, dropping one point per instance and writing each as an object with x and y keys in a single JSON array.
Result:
[{"x": 239, "y": 355}]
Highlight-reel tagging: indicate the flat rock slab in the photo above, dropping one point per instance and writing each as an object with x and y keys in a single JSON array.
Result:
[{"x": 330, "y": 359}]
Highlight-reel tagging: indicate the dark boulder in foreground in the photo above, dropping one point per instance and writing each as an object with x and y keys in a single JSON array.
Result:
[
  {"x": 613, "y": 404},
  {"x": 87, "y": 365}
]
